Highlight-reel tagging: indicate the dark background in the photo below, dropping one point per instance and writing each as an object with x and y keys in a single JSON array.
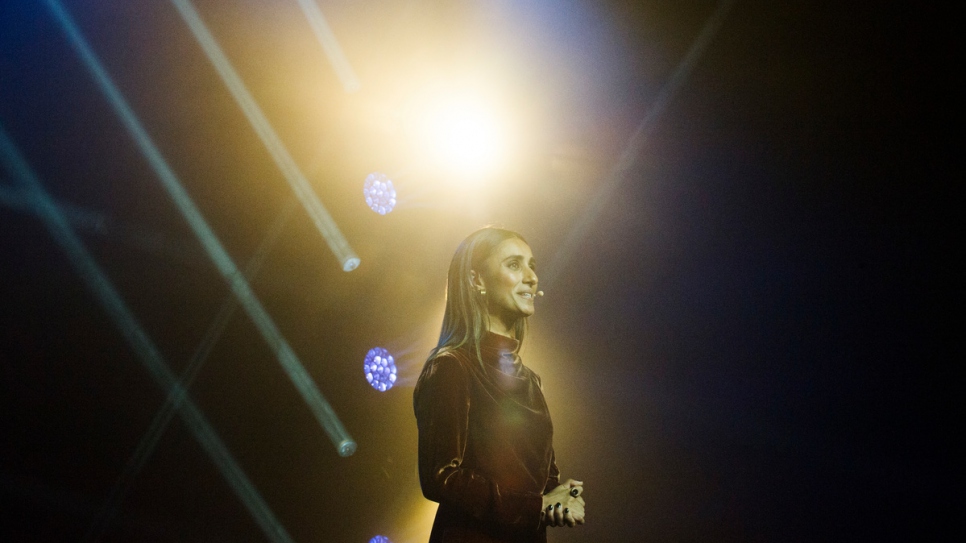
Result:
[{"x": 751, "y": 342}]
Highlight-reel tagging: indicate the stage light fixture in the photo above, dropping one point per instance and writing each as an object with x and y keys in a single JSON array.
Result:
[
  {"x": 380, "y": 368},
  {"x": 380, "y": 539},
  {"x": 379, "y": 192}
]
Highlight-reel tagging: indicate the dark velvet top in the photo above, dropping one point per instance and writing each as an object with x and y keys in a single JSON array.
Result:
[{"x": 485, "y": 445}]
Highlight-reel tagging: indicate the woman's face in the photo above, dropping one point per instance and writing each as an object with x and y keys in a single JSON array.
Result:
[{"x": 510, "y": 280}]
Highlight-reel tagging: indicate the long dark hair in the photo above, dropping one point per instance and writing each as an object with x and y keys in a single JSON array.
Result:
[{"x": 466, "y": 318}]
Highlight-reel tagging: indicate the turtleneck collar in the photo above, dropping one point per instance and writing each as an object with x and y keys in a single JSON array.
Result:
[{"x": 501, "y": 352}]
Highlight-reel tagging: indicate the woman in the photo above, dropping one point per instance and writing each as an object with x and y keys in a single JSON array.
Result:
[{"x": 485, "y": 435}]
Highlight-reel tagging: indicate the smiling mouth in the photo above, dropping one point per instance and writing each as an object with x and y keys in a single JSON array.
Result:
[{"x": 527, "y": 295}]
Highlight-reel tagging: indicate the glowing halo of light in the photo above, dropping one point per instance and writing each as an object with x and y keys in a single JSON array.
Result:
[
  {"x": 380, "y": 539},
  {"x": 380, "y": 369},
  {"x": 464, "y": 133},
  {"x": 461, "y": 133},
  {"x": 380, "y": 193}
]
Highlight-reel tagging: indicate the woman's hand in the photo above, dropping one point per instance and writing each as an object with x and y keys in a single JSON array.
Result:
[{"x": 564, "y": 505}]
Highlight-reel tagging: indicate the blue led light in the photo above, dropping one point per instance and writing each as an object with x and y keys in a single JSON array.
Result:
[
  {"x": 379, "y": 192},
  {"x": 380, "y": 539},
  {"x": 380, "y": 368}
]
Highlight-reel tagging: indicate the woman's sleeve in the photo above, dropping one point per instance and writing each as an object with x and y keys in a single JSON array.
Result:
[
  {"x": 442, "y": 407},
  {"x": 554, "y": 480}
]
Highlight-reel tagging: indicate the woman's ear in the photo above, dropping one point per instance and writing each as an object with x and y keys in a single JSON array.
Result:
[{"x": 476, "y": 280}]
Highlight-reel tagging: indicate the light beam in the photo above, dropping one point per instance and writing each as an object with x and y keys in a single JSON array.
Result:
[
  {"x": 636, "y": 143},
  {"x": 162, "y": 418},
  {"x": 101, "y": 287},
  {"x": 323, "y": 412},
  {"x": 330, "y": 45},
  {"x": 154, "y": 241},
  {"x": 290, "y": 170}
]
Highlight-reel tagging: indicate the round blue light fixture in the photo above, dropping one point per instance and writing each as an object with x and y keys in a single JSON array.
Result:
[
  {"x": 379, "y": 192},
  {"x": 380, "y": 539},
  {"x": 380, "y": 369}
]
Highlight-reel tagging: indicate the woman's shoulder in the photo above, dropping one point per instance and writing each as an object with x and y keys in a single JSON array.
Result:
[
  {"x": 444, "y": 373},
  {"x": 448, "y": 362},
  {"x": 532, "y": 375}
]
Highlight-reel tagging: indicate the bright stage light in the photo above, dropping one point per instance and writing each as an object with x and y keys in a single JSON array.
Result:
[
  {"x": 380, "y": 539},
  {"x": 379, "y": 192},
  {"x": 380, "y": 369},
  {"x": 464, "y": 135}
]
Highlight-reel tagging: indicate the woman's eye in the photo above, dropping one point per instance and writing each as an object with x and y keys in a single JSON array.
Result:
[{"x": 514, "y": 265}]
